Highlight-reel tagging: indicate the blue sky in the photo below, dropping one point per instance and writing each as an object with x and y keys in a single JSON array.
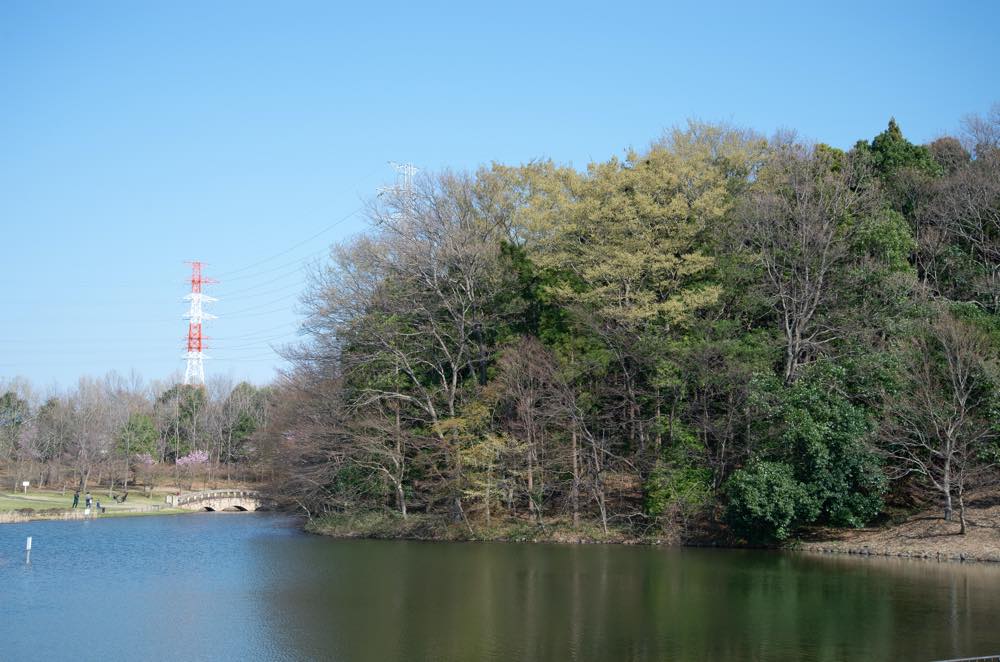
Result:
[{"x": 137, "y": 135}]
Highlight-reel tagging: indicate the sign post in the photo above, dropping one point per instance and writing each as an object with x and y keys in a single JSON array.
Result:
[{"x": 25, "y": 484}]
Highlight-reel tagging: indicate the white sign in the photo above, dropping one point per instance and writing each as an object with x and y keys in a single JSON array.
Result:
[{"x": 26, "y": 483}]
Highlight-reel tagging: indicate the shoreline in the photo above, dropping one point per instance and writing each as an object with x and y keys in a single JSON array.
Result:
[
  {"x": 940, "y": 557},
  {"x": 918, "y": 537},
  {"x": 890, "y": 542},
  {"x": 64, "y": 515}
]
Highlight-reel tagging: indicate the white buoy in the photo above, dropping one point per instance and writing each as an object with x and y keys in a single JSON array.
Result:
[{"x": 27, "y": 551}]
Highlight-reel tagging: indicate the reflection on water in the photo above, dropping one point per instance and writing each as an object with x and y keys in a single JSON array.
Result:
[{"x": 251, "y": 587}]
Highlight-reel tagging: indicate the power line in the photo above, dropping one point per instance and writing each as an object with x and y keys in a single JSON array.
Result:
[
  {"x": 257, "y": 306},
  {"x": 284, "y": 288},
  {"x": 227, "y": 274},
  {"x": 296, "y": 265}
]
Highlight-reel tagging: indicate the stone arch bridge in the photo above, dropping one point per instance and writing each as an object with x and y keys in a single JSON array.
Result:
[{"x": 209, "y": 500}]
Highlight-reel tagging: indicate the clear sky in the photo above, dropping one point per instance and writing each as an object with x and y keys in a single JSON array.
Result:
[{"x": 137, "y": 135}]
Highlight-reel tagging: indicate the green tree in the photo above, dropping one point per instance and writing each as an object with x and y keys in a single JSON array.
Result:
[
  {"x": 890, "y": 152},
  {"x": 138, "y": 435}
]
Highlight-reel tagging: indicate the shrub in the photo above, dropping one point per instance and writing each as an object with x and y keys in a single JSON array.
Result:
[{"x": 766, "y": 503}]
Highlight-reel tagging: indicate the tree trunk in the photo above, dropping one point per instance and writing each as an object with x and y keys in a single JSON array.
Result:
[
  {"x": 946, "y": 488},
  {"x": 575, "y": 492},
  {"x": 599, "y": 486},
  {"x": 961, "y": 503},
  {"x": 461, "y": 512},
  {"x": 532, "y": 506},
  {"x": 401, "y": 499}
]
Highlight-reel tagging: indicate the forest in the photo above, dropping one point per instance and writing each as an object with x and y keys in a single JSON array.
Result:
[
  {"x": 753, "y": 334},
  {"x": 722, "y": 331}
]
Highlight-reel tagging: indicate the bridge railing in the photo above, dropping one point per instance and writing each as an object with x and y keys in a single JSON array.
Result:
[{"x": 193, "y": 497}]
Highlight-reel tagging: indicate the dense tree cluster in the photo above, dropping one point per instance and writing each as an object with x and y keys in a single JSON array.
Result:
[
  {"x": 765, "y": 332},
  {"x": 116, "y": 431}
]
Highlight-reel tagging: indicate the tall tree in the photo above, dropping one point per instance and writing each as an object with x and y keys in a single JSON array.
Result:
[
  {"x": 941, "y": 419},
  {"x": 798, "y": 221}
]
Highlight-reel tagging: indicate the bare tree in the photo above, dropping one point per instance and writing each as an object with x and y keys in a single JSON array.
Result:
[
  {"x": 410, "y": 314},
  {"x": 938, "y": 424},
  {"x": 91, "y": 430},
  {"x": 797, "y": 220},
  {"x": 981, "y": 133},
  {"x": 966, "y": 211},
  {"x": 528, "y": 391},
  {"x": 306, "y": 444}
]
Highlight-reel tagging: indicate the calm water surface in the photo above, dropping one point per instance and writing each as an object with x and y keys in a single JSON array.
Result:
[{"x": 251, "y": 587}]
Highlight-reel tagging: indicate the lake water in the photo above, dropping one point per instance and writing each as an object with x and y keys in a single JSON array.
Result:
[{"x": 252, "y": 587}]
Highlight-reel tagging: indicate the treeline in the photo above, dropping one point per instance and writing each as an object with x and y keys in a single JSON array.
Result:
[
  {"x": 117, "y": 431},
  {"x": 761, "y": 332}
]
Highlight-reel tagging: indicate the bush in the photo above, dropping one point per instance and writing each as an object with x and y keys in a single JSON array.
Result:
[
  {"x": 822, "y": 436},
  {"x": 766, "y": 503},
  {"x": 826, "y": 435}
]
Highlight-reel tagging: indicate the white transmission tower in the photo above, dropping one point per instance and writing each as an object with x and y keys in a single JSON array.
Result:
[
  {"x": 401, "y": 200},
  {"x": 404, "y": 177}
]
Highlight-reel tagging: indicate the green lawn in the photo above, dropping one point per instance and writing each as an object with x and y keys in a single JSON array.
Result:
[{"x": 44, "y": 499}]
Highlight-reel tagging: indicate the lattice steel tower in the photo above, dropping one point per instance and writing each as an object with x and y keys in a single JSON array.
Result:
[{"x": 195, "y": 371}]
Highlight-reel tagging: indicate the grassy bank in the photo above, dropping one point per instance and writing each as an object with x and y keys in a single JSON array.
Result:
[{"x": 58, "y": 505}]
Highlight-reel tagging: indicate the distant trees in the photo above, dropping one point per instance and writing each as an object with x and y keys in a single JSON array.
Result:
[{"x": 113, "y": 430}]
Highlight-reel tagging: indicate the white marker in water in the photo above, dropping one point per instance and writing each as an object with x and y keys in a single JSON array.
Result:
[{"x": 27, "y": 551}]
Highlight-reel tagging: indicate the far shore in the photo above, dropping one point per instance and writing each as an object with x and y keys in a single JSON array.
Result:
[{"x": 48, "y": 504}]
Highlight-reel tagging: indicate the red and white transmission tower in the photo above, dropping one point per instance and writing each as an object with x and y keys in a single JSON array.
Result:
[{"x": 195, "y": 372}]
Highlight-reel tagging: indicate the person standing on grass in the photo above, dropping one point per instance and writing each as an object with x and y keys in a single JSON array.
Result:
[
  {"x": 88, "y": 500},
  {"x": 76, "y": 498}
]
